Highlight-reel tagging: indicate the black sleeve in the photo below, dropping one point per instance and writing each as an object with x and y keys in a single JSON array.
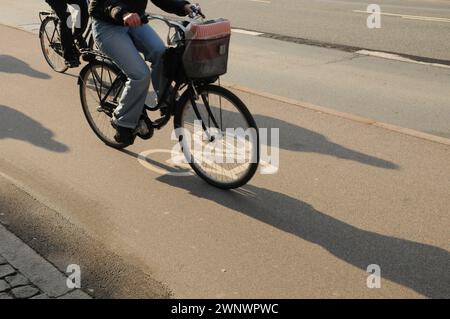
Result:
[
  {"x": 116, "y": 9},
  {"x": 172, "y": 6}
]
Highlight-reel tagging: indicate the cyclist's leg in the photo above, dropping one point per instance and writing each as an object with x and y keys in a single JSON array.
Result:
[
  {"x": 83, "y": 16},
  {"x": 115, "y": 42},
  {"x": 150, "y": 44},
  {"x": 60, "y": 9}
]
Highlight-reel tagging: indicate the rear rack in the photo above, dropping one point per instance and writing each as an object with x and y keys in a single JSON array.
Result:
[{"x": 43, "y": 14}]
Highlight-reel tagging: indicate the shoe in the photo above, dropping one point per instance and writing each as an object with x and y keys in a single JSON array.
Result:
[
  {"x": 72, "y": 63},
  {"x": 144, "y": 128},
  {"x": 72, "y": 59},
  {"x": 124, "y": 135}
]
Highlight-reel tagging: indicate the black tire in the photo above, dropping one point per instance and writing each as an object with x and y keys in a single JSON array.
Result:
[
  {"x": 237, "y": 107},
  {"x": 51, "y": 44},
  {"x": 91, "y": 74}
]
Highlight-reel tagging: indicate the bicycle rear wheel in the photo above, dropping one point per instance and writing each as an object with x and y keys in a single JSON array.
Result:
[
  {"x": 101, "y": 81},
  {"x": 218, "y": 136},
  {"x": 51, "y": 47}
]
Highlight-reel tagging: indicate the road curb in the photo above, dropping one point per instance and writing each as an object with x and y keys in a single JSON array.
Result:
[
  {"x": 35, "y": 268},
  {"x": 347, "y": 116},
  {"x": 43, "y": 226}
]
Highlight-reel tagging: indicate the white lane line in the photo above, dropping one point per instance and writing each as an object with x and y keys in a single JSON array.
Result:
[
  {"x": 261, "y": 1},
  {"x": 347, "y": 116},
  {"x": 246, "y": 32},
  {"x": 391, "y": 56},
  {"x": 407, "y": 16}
]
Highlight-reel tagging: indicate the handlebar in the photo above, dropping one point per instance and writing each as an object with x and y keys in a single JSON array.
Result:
[
  {"x": 196, "y": 12},
  {"x": 146, "y": 18},
  {"x": 178, "y": 25}
]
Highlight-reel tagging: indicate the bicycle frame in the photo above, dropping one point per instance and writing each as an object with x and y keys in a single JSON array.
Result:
[
  {"x": 117, "y": 87},
  {"x": 190, "y": 85}
]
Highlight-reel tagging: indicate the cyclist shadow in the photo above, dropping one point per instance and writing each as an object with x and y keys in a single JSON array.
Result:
[
  {"x": 421, "y": 267},
  {"x": 298, "y": 139},
  {"x": 10, "y": 64},
  {"x": 16, "y": 125}
]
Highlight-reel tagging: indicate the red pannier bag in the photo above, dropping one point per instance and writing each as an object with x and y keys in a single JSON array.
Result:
[{"x": 206, "y": 52}]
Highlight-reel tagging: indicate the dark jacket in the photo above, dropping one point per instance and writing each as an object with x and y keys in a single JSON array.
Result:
[{"x": 112, "y": 11}]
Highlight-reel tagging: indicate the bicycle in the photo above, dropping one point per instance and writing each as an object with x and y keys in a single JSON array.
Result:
[
  {"x": 212, "y": 115},
  {"x": 50, "y": 40}
]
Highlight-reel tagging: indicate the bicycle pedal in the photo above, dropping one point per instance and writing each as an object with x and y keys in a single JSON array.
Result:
[{"x": 145, "y": 128}]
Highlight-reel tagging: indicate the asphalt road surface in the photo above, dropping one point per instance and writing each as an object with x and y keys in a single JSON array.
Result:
[
  {"x": 347, "y": 195},
  {"x": 405, "y": 94},
  {"x": 337, "y": 22}
]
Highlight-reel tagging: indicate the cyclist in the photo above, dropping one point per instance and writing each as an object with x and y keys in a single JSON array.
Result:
[
  {"x": 120, "y": 34},
  {"x": 67, "y": 37}
]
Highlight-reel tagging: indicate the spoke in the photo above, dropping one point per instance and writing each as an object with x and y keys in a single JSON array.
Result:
[
  {"x": 101, "y": 79},
  {"x": 90, "y": 93},
  {"x": 208, "y": 109},
  {"x": 53, "y": 34},
  {"x": 216, "y": 168},
  {"x": 99, "y": 92},
  {"x": 199, "y": 116},
  {"x": 220, "y": 105},
  {"x": 227, "y": 158}
]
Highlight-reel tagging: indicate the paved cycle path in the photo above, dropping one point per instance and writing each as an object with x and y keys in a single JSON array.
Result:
[{"x": 347, "y": 195}]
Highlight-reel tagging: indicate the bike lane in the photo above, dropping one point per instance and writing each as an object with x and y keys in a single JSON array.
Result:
[{"x": 347, "y": 195}]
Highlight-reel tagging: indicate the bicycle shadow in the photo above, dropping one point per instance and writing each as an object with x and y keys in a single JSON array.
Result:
[
  {"x": 10, "y": 64},
  {"x": 421, "y": 267},
  {"x": 17, "y": 125}
]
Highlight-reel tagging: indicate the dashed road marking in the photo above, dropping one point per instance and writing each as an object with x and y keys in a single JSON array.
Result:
[
  {"x": 261, "y": 1},
  {"x": 253, "y": 33},
  {"x": 378, "y": 54},
  {"x": 395, "y": 57},
  {"x": 407, "y": 16}
]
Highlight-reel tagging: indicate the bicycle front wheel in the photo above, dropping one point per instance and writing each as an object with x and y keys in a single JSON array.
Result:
[
  {"x": 218, "y": 136},
  {"x": 51, "y": 47}
]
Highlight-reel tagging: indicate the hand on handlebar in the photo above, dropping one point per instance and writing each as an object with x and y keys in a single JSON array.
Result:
[
  {"x": 132, "y": 20},
  {"x": 194, "y": 10}
]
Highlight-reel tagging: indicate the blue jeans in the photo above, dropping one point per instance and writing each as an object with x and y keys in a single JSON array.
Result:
[{"x": 123, "y": 45}]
